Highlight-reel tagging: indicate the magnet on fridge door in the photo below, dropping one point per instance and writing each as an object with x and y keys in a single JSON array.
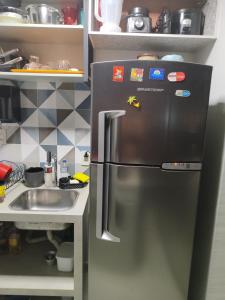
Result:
[
  {"x": 157, "y": 74},
  {"x": 176, "y": 76},
  {"x": 132, "y": 100},
  {"x": 118, "y": 73},
  {"x": 183, "y": 93},
  {"x": 137, "y": 74}
]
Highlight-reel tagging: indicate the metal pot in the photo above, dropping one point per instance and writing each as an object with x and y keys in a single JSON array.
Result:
[
  {"x": 34, "y": 177},
  {"x": 12, "y": 15},
  {"x": 44, "y": 14},
  {"x": 188, "y": 21}
]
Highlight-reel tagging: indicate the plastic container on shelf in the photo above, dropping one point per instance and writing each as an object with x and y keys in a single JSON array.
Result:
[{"x": 65, "y": 257}]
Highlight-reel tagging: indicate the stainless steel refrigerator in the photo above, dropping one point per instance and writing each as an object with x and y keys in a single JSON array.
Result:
[{"x": 148, "y": 127}]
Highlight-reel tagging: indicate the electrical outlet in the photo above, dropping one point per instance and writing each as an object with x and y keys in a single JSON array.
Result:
[{"x": 2, "y": 135}]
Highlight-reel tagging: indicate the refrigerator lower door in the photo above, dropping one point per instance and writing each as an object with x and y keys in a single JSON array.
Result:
[{"x": 152, "y": 213}]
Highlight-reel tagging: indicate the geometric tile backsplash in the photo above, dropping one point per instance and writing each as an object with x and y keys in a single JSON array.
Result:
[{"x": 55, "y": 117}]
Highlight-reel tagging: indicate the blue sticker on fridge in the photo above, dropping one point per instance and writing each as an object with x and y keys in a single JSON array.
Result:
[{"x": 157, "y": 74}]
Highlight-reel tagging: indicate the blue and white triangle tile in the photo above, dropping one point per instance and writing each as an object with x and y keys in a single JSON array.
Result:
[
  {"x": 82, "y": 99},
  {"x": 43, "y": 96},
  {"x": 82, "y": 119},
  {"x": 44, "y": 85},
  {"x": 48, "y": 136},
  {"x": 47, "y": 117},
  {"x": 29, "y": 136}
]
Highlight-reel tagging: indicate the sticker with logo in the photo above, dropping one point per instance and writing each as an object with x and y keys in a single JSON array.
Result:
[
  {"x": 176, "y": 76},
  {"x": 157, "y": 74},
  {"x": 118, "y": 73},
  {"x": 137, "y": 74},
  {"x": 183, "y": 93}
]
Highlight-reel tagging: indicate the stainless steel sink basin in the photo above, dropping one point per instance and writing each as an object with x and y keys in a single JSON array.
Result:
[{"x": 45, "y": 200}]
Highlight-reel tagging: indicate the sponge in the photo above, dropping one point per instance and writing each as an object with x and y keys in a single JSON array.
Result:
[{"x": 81, "y": 177}]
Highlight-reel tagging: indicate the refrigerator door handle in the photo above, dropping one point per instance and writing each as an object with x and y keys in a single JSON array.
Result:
[
  {"x": 104, "y": 131},
  {"x": 102, "y": 214}
]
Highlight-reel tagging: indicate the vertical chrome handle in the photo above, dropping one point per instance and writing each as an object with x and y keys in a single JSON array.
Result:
[
  {"x": 104, "y": 131},
  {"x": 102, "y": 213}
]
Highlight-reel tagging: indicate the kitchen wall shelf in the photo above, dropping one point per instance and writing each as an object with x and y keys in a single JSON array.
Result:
[
  {"x": 44, "y": 34},
  {"x": 150, "y": 42},
  {"x": 28, "y": 274},
  {"x": 41, "y": 77}
]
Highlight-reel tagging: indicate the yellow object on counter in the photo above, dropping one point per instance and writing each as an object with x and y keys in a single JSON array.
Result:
[
  {"x": 2, "y": 191},
  {"x": 81, "y": 177}
]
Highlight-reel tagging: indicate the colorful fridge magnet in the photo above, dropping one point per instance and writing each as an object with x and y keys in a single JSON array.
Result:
[
  {"x": 157, "y": 74},
  {"x": 118, "y": 73},
  {"x": 132, "y": 100},
  {"x": 183, "y": 93},
  {"x": 137, "y": 74},
  {"x": 176, "y": 76}
]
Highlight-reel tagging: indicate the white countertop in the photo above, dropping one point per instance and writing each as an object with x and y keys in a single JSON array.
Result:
[{"x": 66, "y": 216}]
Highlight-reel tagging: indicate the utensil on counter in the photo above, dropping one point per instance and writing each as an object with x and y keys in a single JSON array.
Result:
[
  {"x": 34, "y": 177},
  {"x": 44, "y": 14},
  {"x": 7, "y": 66},
  {"x": 12, "y": 15},
  {"x": 4, "y": 55},
  {"x": 70, "y": 15}
]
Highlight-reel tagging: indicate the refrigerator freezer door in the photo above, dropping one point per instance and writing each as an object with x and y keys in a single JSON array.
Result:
[
  {"x": 153, "y": 213},
  {"x": 168, "y": 126}
]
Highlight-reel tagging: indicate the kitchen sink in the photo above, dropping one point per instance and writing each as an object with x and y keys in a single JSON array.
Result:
[{"x": 45, "y": 200}]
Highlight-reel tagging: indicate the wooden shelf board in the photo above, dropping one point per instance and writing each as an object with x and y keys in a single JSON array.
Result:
[
  {"x": 44, "y": 34},
  {"x": 150, "y": 42},
  {"x": 40, "y": 77}
]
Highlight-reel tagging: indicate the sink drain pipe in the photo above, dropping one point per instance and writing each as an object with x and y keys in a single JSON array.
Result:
[{"x": 52, "y": 239}]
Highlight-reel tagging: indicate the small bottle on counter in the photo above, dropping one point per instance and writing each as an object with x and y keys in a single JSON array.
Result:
[{"x": 64, "y": 169}]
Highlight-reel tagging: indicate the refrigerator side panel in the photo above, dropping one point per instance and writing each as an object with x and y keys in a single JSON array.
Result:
[{"x": 153, "y": 214}]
